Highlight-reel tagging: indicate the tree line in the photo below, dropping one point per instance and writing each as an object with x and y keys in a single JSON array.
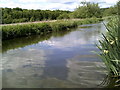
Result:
[
  {"x": 86, "y": 10},
  {"x": 15, "y": 15}
]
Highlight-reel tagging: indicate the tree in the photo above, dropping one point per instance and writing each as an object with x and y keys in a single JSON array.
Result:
[
  {"x": 87, "y": 10},
  {"x": 17, "y": 15},
  {"x": 17, "y": 9},
  {"x": 8, "y": 19}
]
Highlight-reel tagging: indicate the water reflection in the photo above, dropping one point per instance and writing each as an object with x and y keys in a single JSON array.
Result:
[
  {"x": 25, "y": 41},
  {"x": 22, "y": 66},
  {"x": 62, "y": 60},
  {"x": 87, "y": 74},
  {"x": 80, "y": 37}
]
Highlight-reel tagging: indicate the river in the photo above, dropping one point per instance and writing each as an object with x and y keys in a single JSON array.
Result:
[{"x": 56, "y": 60}]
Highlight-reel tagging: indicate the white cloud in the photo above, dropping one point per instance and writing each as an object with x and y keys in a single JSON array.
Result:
[
  {"x": 51, "y": 4},
  {"x": 62, "y": 1},
  {"x": 50, "y": 1},
  {"x": 110, "y": 1},
  {"x": 31, "y": 1}
]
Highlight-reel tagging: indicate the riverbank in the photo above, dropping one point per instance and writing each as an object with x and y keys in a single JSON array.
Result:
[{"x": 22, "y": 30}]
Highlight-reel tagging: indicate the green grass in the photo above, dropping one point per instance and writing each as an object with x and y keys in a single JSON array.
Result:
[
  {"x": 110, "y": 48},
  {"x": 15, "y": 31},
  {"x": 89, "y": 21}
]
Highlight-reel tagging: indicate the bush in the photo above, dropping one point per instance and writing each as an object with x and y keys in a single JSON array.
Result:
[
  {"x": 64, "y": 16},
  {"x": 20, "y": 20},
  {"x": 87, "y": 10}
]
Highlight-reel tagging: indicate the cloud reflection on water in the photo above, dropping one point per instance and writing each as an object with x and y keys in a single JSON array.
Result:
[{"x": 59, "y": 62}]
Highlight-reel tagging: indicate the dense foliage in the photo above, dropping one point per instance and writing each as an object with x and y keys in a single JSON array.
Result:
[
  {"x": 87, "y": 10},
  {"x": 64, "y": 16},
  {"x": 17, "y": 15},
  {"x": 110, "y": 50},
  {"x": 113, "y": 10},
  {"x": 110, "y": 47}
]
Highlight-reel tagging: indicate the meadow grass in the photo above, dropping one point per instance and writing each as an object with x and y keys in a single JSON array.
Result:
[
  {"x": 89, "y": 21},
  {"x": 15, "y": 31}
]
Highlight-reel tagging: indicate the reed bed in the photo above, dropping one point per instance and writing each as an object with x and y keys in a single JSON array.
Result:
[
  {"x": 15, "y": 31},
  {"x": 110, "y": 48}
]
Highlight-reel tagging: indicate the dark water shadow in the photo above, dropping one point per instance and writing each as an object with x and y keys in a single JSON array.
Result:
[
  {"x": 111, "y": 82},
  {"x": 34, "y": 39}
]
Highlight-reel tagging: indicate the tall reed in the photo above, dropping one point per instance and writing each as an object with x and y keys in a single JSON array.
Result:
[{"x": 110, "y": 47}]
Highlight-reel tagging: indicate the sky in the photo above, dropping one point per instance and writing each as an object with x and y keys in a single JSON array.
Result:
[{"x": 52, "y": 4}]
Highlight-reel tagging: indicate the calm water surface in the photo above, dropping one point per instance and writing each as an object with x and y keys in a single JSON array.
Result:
[{"x": 56, "y": 60}]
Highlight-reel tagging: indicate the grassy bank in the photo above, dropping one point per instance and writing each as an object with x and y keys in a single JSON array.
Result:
[
  {"x": 89, "y": 21},
  {"x": 15, "y": 31},
  {"x": 110, "y": 49}
]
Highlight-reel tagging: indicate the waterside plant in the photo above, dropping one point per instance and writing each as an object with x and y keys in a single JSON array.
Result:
[
  {"x": 21, "y": 30},
  {"x": 110, "y": 49}
]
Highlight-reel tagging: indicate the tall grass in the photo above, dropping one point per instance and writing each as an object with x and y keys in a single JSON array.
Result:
[
  {"x": 89, "y": 21},
  {"x": 63, "y": 25},
  {"x": 14, "y": 31},
  {"x": 110, "y": 48}
]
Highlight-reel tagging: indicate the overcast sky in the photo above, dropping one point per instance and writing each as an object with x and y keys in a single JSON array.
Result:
[{"x": 52, "y": 4}]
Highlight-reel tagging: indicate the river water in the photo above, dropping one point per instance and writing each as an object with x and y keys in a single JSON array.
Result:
[{"x": 56, "y": 60}]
